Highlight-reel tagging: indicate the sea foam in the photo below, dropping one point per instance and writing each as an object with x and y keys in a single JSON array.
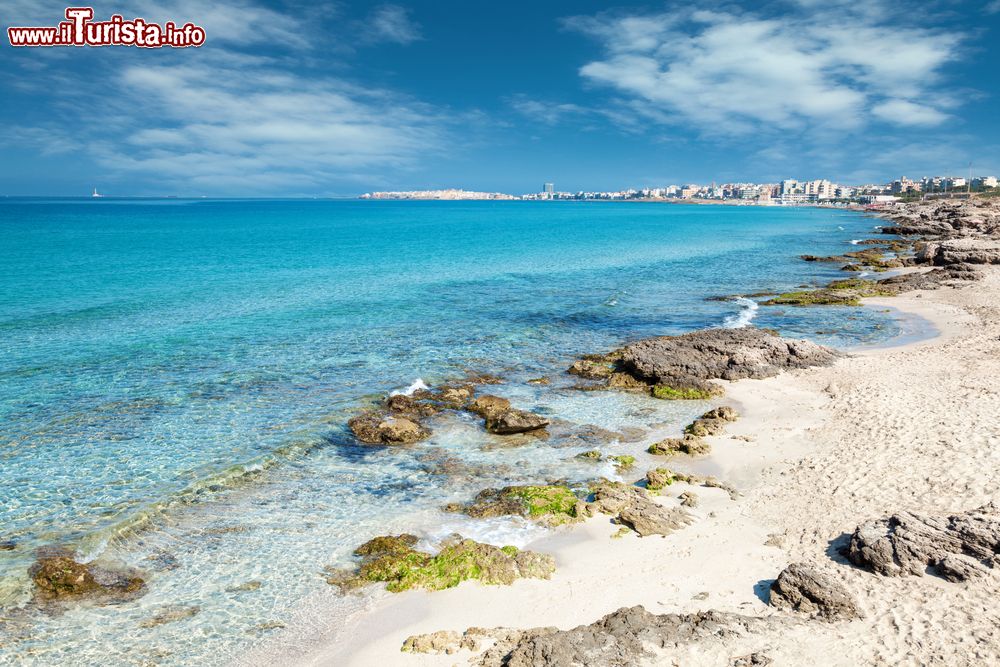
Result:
[
  {"x": 416, "y": 386},
  {"x": 748, "y": 311}
]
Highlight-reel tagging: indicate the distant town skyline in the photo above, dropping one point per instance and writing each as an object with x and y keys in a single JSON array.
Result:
[{"x": 335, "y": 98}]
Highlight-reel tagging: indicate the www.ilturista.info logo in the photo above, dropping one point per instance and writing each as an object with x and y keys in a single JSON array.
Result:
[{"x": 79, "y": 29}]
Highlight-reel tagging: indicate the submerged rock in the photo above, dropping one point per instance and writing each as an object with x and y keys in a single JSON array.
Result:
[
  {"x": 59, "y": 577},
  {"x": 489, "y": 407},
  {"x": 802, "y": 588},
  {"x": 377, "y": 429},
  {"x": 956, "y": 547},
  {"x": 170, "y": 613},
  {"x": 515, "y": 421}
]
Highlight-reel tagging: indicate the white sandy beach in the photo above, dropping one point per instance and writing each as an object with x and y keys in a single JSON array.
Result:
[{"x": 905, "y": 428}]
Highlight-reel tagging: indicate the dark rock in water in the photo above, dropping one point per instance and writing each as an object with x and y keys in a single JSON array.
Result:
[
  {"x": 454, "y": 397},
  {"x": 8, "y": 545},
  {"x": 377, "y": 429},
  {"x": 483, "y": 378},
  {"x": 756, "y": 659},
  {"x": 169, "y": 614},
  {"x": 956, "y": 547},
  {"x": 817, "y": 258},
  {"x": 802, "y": 588},
  {"x": 624, "y": 637},
  {"x": 728, "y": 354},
  {"x": 631, "y": 506},
  {"x": 60, "y": 577},
  {"x": 401, "y": 404},
  {"x": 515, "y": 421},
  {"x": 489, "y": 406}
]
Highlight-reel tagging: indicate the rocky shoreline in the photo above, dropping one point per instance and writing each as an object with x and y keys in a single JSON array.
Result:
[
  {"x": 939, "y": 246},
  {"x": 955, "y": 547}
]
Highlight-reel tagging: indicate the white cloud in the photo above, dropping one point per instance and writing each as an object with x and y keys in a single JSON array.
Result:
[
  {"x": 391, "y": 23},
  {"x": 993, "y": 7},
  {"x": 225, "y": 128},
  {"x": 904, "y": 112},
  {"x": 731, "y": 73}
]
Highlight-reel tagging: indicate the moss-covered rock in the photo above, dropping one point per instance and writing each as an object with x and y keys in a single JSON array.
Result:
[
  {"x": 57, "y": 576},
  {"x": 592, "y": 455},
  {"x": 669, "y": 393},
  {"x": 387, "y": 544},
  {"x": 660, "y": 478},
  {"x": 548, "y": 504},
  {"x": 861, "y": 287},
  {"x": 401, "y": 567},
  {"x": 623, "y": 462},
  {"x": 819, "y": 297}
]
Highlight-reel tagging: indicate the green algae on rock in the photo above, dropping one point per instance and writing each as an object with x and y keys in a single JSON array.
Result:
[
  {"x": 393, "y": 560},
  {"x": 57, "y": 576},
  {"x": 660, "y": 478},
  {"x": 819, "y": 297},
  {"x": 669, "y": 393},
  {"x": 549, "y": 504},
  {"x": 623, "y": 462}
]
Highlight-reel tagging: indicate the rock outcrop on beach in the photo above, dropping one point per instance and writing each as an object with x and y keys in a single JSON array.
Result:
[
  {"x": 960, "y": 251},
  {"x": 629, "y": 636},
  {"x": 956, "y": 547},
  {"x": 977, "y": 217},
  {"x": 681, "y": 366},
  {"x": 395, "y": 561},
  {"x": 632, "y": 507},
  {"x": 57, "y": 576},
  {"x": 805, "y": 589}
]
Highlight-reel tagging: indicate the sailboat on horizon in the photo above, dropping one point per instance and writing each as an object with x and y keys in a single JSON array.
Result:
[{"x": 96, "y": 193}]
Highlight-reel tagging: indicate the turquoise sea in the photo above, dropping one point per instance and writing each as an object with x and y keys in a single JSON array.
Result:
[{"x": 175, "y": 376}]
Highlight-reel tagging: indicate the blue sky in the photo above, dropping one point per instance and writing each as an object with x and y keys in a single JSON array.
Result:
[{"x": 300, "y": 98}]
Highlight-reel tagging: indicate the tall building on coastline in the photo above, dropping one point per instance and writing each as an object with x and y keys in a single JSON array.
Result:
[{"x": 549, "y": 188}]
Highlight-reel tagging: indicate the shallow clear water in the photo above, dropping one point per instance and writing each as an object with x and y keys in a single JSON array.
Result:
[{"x": 175, "y": 376}]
